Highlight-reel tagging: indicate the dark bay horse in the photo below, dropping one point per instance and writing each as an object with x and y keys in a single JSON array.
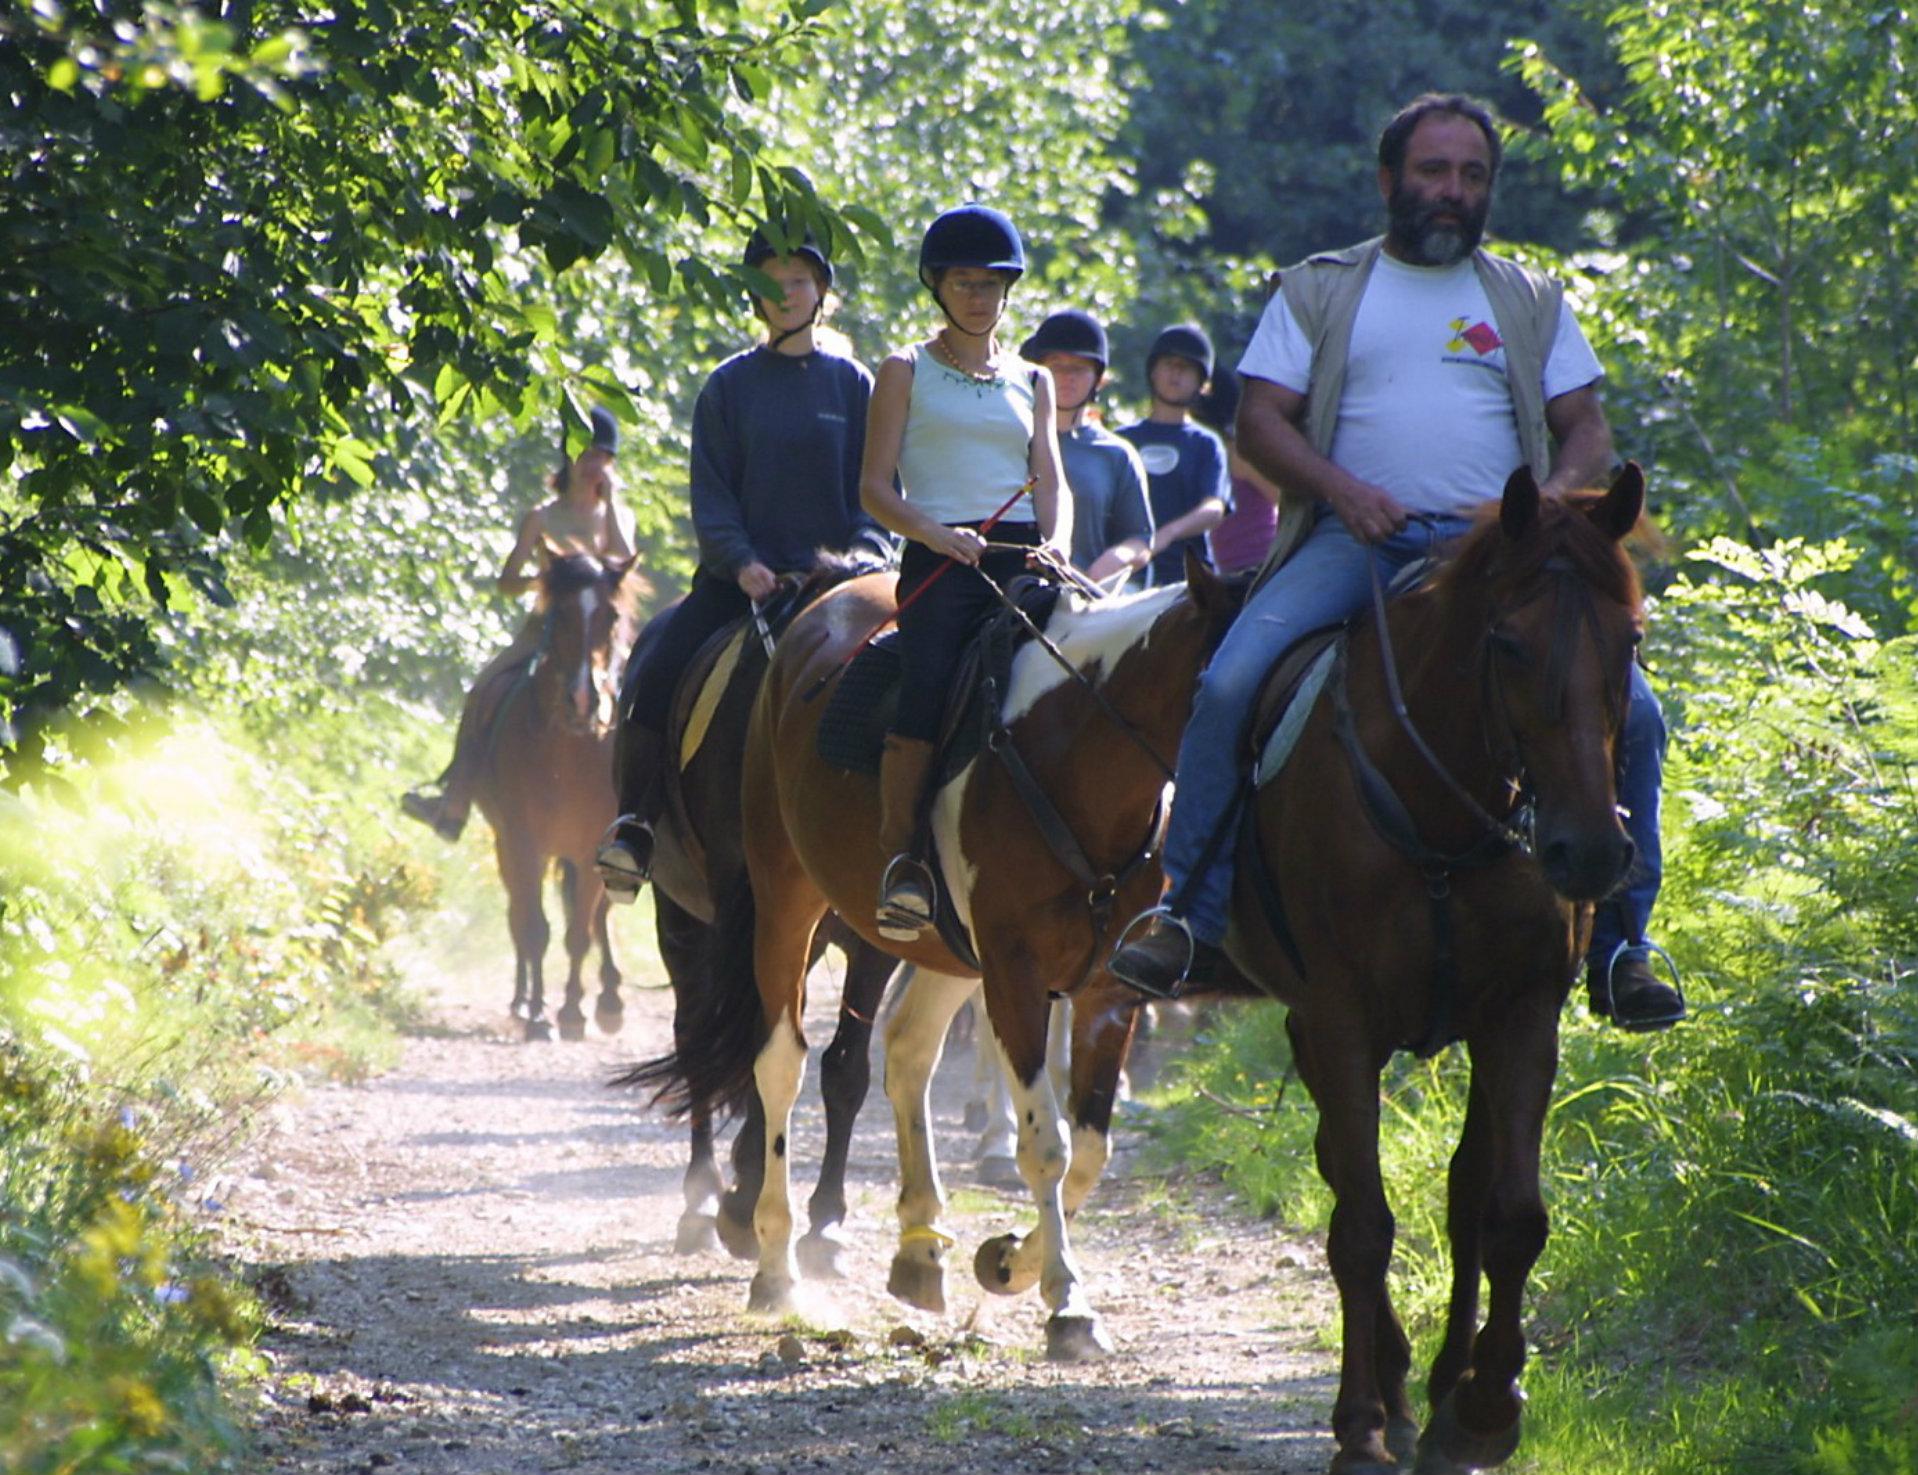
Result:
[
  {"x": 547, "y": 785},
  {"x": 1386, "y": 930},
  {"x": 698, "y": 842},
  {"x": 1098, "y": 747}
]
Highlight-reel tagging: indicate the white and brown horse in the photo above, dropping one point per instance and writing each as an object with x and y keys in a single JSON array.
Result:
[{"x": 1041, "y": 912}]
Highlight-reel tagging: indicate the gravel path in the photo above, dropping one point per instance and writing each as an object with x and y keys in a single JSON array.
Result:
[{"x": 470, "y": 1268}]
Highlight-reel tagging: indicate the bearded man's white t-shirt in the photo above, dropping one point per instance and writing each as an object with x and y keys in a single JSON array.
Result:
[{"x": 1426, "y": 412}]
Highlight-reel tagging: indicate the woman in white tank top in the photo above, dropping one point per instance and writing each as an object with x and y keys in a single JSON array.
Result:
[{"x": 958, "y": 429}]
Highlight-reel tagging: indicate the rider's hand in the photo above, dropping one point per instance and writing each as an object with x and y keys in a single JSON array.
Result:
[
  {"x": 756, "y": 581},
  {"x": 961, "y": 545},
  {"x": 1371, "y": 514}
]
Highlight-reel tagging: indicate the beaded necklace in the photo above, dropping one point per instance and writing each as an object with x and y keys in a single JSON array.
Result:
[{"x": 990, "y": 375}]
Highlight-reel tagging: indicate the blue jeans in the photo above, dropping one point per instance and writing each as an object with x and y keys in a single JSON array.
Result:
[{"x": 1325, "y": 583}]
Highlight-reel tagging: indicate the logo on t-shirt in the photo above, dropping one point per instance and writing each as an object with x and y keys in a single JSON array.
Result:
[
  {"x": 1160, "y": 459},
  {"x": 1481, "y": 338}
]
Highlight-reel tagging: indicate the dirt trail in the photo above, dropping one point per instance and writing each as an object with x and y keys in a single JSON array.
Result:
[{"x": 470, "y": 1264}]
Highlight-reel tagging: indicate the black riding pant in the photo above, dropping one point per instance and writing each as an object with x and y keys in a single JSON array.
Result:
[
  {"x": 934, "y": 631},
  {"x": 709, "y": 606}
]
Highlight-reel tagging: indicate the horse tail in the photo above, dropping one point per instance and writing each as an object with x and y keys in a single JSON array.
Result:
[{"x": 719, "y": 1024}]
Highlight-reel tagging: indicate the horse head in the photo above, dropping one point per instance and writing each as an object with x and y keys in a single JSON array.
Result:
[
  {"x": 589, "y": 614},
  {"x": 1559, "y": 613}
]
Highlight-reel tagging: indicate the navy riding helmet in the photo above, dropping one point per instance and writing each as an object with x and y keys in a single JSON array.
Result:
[
  {"x": 971, "y": 235},
  {"x": 1069, "y": 330},
  {"x": 1182, "y": 340},
  {"x": 760, "y": 250}
]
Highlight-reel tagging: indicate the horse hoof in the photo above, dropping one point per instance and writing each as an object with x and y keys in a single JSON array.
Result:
[
  {"x": 996, "y": 1267},
  {"x": 917, "y": 1281},
  {"x": 739, "y": 1237},
  {"x": 999, "y": 1172},
  {"x": 609, "y": 1014},
  {"x": 770, "y": 1295},
  {"x": 1076, "y": 1338},
  {"x": 1447, "y": 1447},
  {"x": 822, "y": 1255},
  {"x": 1402, "y": 1438},
  {"x": 517, "y": 1009},
  {"x": 975, "y": 1118},
  {"x": 538, "y": 1031},
  {"x": 572, "y": 1025},
  {"x": 696, "y": 1235}
]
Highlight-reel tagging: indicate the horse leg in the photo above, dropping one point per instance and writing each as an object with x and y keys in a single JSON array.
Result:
[
  {"x": 699, "y": 1190},
  {"x": 1073, "y": 1330},
  {"x": 845, "y": 1075},
  {"x": 608, "y": 1012},
  {"x": 739, "y": 1203},
  {"x": 1102, "y": 1028},
  {"x": 997, "y": 1154},
  {"x": 915, "y": 1039},
  {"x": 571, "y": 1018},
  {"x": 1343, "y": 1081},
  {"x": 1477, "y": 1423},
  {"x": 524, "y": 871}
]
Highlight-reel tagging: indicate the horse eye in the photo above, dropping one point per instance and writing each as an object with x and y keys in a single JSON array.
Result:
[{"x": 1511, "y": 646}]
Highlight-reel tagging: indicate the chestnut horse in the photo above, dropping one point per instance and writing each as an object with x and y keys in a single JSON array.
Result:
[
  {"x": 547, "y": 785},
  {"x": 1410, "y": 924},
  {"x": 698, "y": 839},
  {"x": 1097, "y": 745}
]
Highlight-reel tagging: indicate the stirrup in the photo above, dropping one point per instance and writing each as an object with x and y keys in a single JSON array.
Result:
[
  {"x": 1651, "y": 950},
  {"x": 1151, "y": 915},
  {"x": 621, "y": 870},
  {"x": 906, "y": 878}
]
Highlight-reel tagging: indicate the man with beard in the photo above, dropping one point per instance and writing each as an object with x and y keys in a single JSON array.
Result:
[{"x": 1391, "y": 388}]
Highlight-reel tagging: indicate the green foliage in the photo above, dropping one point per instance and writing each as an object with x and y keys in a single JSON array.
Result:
[
  {"x": 1735, "y": 1203},
  {"x": 235, "y": 256}
]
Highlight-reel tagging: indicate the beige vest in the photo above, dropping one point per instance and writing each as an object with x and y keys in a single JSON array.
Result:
[{"x": 1323, "y": 293}]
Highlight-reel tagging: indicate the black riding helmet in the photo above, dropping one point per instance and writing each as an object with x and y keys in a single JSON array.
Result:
[
  {"x": 1182, "y": 340},
  {"x": 760, "y": 250},
  {"x": 971, "y": 235},
  {"x": 605, "y": 436},
  {"x": 1069, "y": 330}
]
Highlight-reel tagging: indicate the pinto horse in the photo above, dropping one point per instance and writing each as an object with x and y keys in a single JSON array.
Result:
[
  {"x": 698, "y": 840},
  {"x": 1414, "y": 921},
  {"x": 1041, "y": 899},
  {"x": 547, "y": 785}
]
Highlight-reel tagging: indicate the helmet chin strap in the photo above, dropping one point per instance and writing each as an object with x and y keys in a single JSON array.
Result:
[
  {"x": 1091, "y": 395},
  {"x": 1004, "y": 299},
  {"x": 812, "y": 321}
]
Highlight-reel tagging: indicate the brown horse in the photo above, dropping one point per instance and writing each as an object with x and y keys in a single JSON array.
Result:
[
  {"x": 547, "y": 785},
  {"x": 698, "y": 843},
  {"x": 1390, "y": 924},
  {"x": 1040, "y": 899}
]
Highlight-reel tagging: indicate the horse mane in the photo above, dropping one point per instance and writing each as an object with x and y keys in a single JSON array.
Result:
[
  {"x": 1486, "y": 556},
  {"x": 832, "y": 567}
]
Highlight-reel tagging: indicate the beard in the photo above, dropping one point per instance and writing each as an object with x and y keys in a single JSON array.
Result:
[{"x": 1421, "y": 241}]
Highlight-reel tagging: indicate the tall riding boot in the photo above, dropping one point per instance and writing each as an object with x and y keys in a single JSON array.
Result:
[
  {"x": 446, "y": 810},
  {"x": 905, "y": 890},
  {"x": 625, "y": 858}
]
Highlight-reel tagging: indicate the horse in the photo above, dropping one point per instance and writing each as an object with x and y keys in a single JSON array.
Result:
[
  {"x": 1046, "y": 838},
  {"x": 1393, "y": 893},
  {"x": 698, "y": 838},
  {"x": 547, "y": 785}
]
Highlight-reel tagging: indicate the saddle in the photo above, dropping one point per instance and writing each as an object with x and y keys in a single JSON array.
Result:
[
  {"x": 865, "y": 700},
  {"x": 726, "y": 669}
]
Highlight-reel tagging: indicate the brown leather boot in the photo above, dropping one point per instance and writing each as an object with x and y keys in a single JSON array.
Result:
[{"x": 905, "y": 891}]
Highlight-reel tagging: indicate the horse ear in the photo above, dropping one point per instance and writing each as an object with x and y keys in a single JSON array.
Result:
[
  {"x": 1518, "y": 512},
  {"x": 1201, "y": 583},
  {"x": 1617, "y": 512}
]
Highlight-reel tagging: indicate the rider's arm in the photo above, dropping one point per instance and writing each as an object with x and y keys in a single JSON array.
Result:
[
  {"x": 1270, "y": 438},
  {"x": 1582, "y": 441},
  {"x": 1051, "y": 504},
  {"x": 619, "y": 539},
  {"x": 719, "y": 520},
  {"x": 1128, "y": 521},
  {"x": 513, "y": 578}
]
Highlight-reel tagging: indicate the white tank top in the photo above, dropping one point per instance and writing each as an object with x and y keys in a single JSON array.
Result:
[{"x": 967, "y": 445}]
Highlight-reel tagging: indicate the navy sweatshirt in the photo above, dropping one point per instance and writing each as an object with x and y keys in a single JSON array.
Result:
[{"x": 775, "y": 470}]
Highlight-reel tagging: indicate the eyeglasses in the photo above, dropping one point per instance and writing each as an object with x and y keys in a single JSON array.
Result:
[{"x": 986, "y": 287}]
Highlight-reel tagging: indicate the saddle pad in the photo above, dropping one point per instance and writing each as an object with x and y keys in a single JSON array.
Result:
[
  {"x": 1285, "y": 734},
  {"x": 711, "y": 688},
  {"x": 852, "y": 733}
]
